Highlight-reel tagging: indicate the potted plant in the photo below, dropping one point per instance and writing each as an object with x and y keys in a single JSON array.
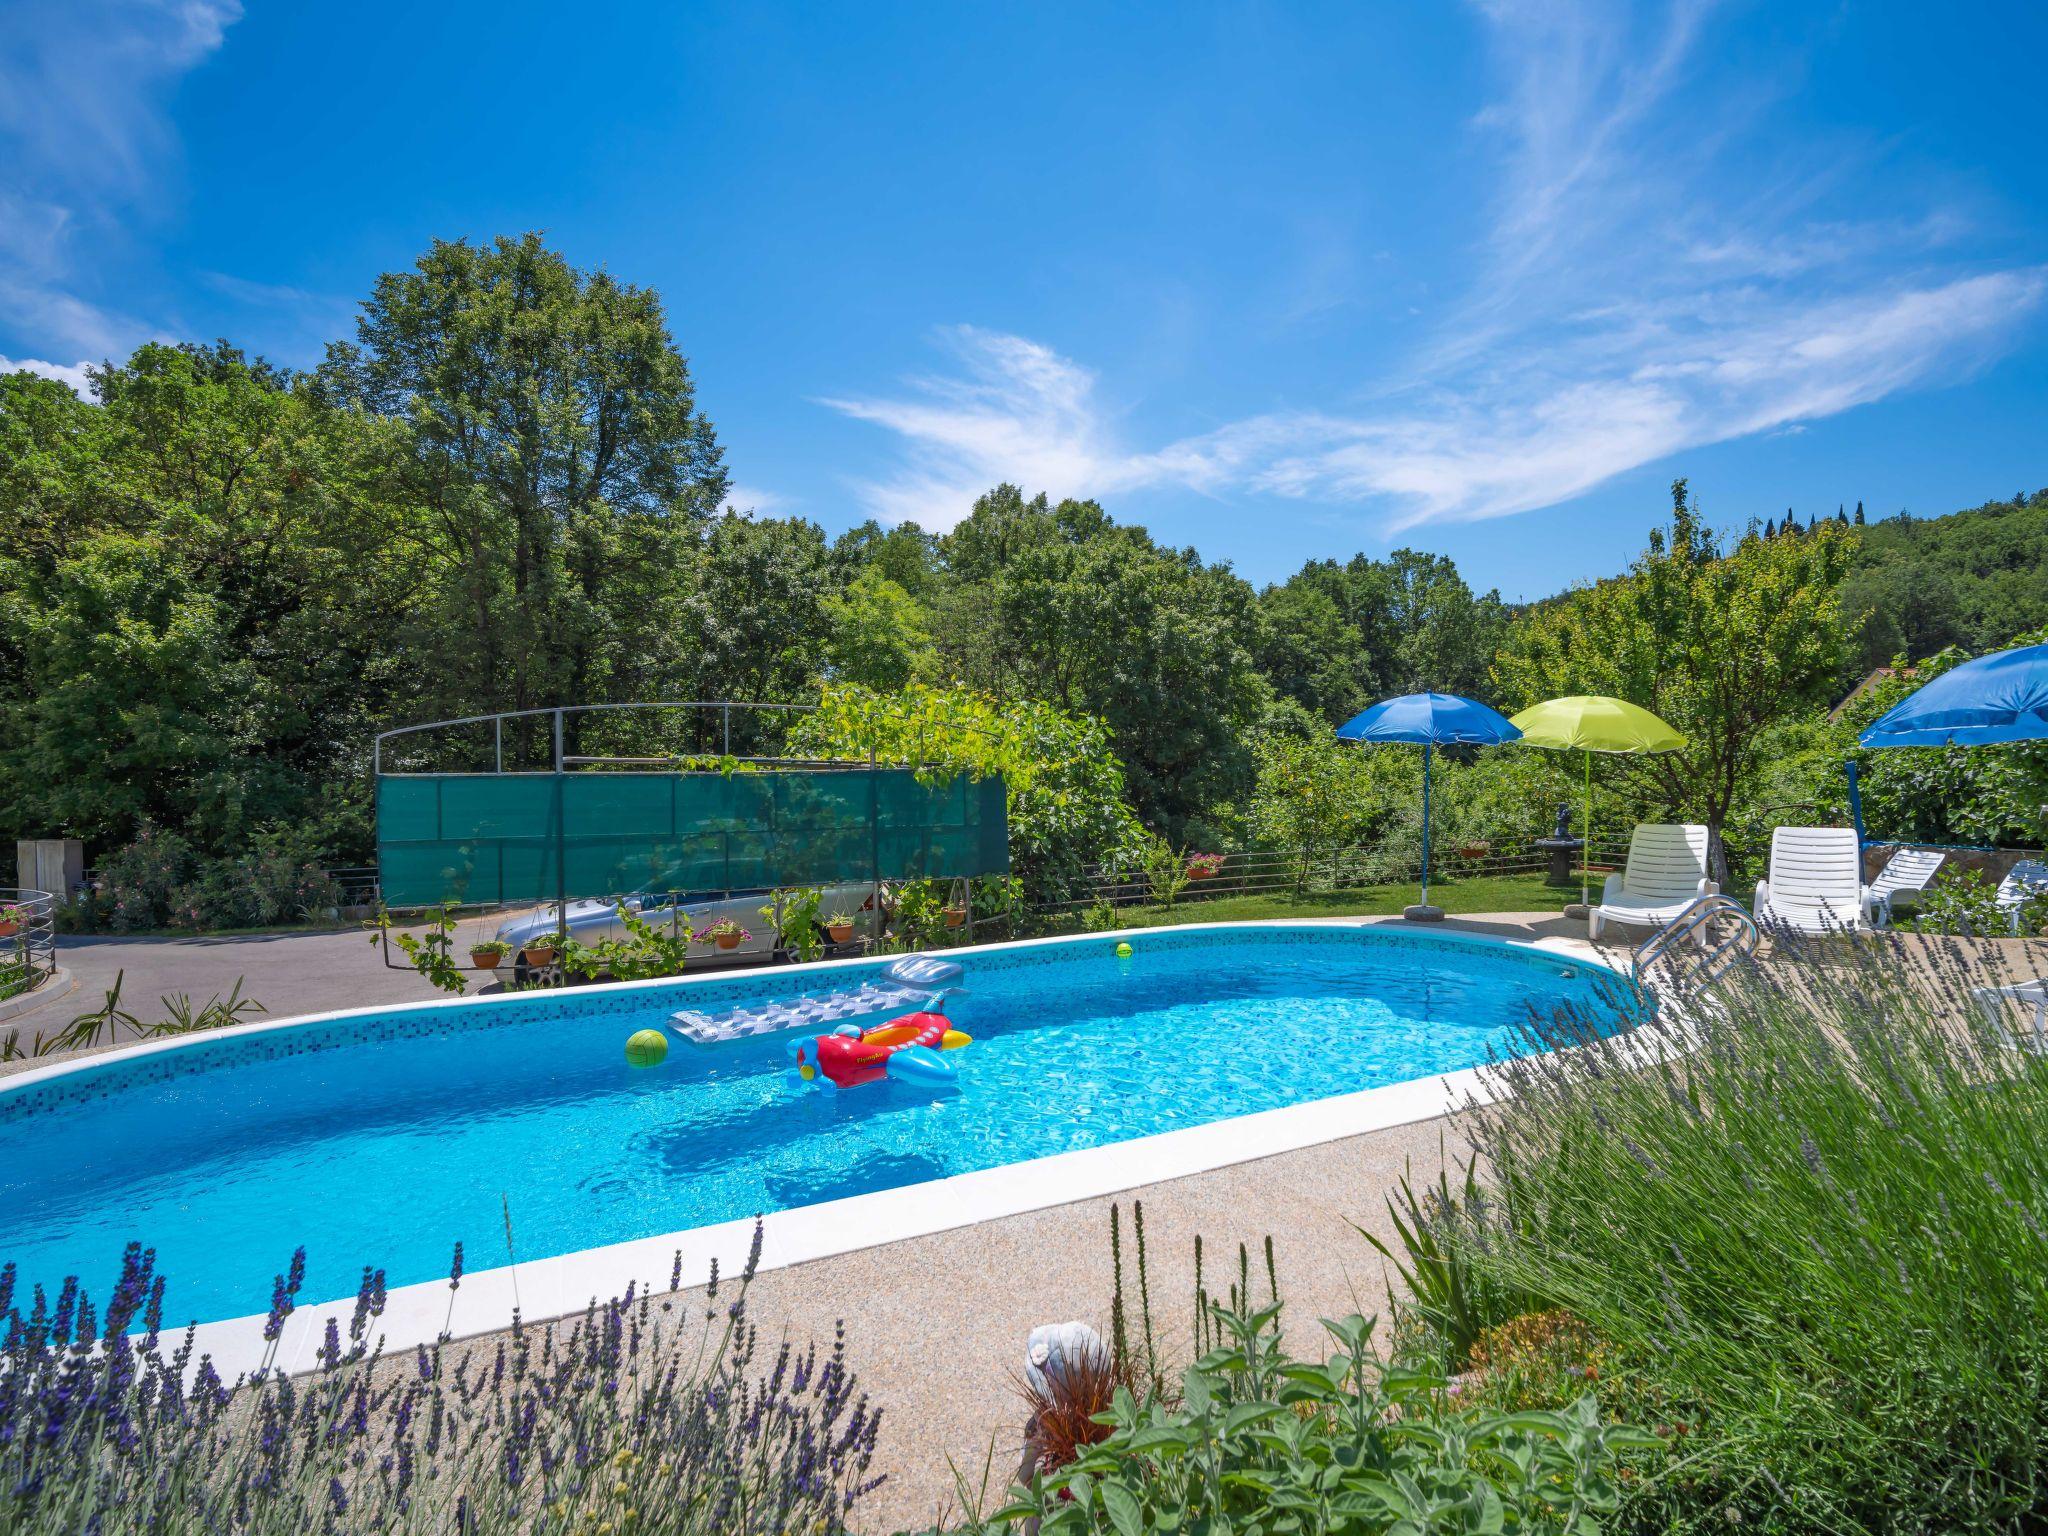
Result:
[
  {"x": 955, "y": 916},
  {"x": 1205, "y": 866},
  {"x": 541, "y": 951},
  {"x": 486, "y": 955},
  {"x": 11, "y": 919},
  {"x": 1477, "y": 848},
  {"x": 727, "y": 934},
  {"x": 839, "y": 927}
]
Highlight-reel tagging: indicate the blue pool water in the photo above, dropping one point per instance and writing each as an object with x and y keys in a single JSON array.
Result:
[{"x": 385, "y": 1137}]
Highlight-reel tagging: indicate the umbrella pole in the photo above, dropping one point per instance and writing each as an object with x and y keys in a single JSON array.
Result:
[
  {"x": 1425, "y": 823},
  {"x": 1586, "y": 841}
]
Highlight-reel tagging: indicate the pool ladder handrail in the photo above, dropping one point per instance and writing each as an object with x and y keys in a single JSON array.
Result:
[{"x": 1692, "y": 922}]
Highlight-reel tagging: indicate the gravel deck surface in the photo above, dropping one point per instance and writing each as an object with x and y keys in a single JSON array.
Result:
[{"x": 935, "y": 1326}]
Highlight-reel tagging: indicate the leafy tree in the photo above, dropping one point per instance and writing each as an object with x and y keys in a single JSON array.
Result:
[
  {"x": 1064, "y": 784},
  {"x": 1446, "y": 633},
  {"x": 1314, "y": 795},
  {"x": 1722, "y": 646},
  {"x": 1062, "y": 604},
  {"x": 1340, "y": 637},
  {"x": 199, "y": 606},
  {"x": 1971, "y": 579},
  {"x": 905, "y": 554},
  {"x": 754, "y": 616},
  {"x": 556, "y": 452},
  {"x": 878, "y": 635}
]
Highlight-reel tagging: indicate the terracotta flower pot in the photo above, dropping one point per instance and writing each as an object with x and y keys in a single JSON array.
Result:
[
  {"x": 839, "y": 933},
  {"x": 486, "y": 959},
  {"x": 728, "y": 941},
  {"x": 539, "y": 954},
  {"x": 955, "y": 916},
  {"x": 9, "y": 927}
]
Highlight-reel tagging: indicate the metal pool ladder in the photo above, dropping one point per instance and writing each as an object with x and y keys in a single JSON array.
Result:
[{"x": 1711, "y": 955}]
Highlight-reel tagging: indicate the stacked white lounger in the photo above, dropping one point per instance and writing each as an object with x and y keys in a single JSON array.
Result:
[
  {"x": 906, "y": 985},
  {"x": 2022, "y": 883},
  {"x": 1666, "y": 869},
  {"x": 1907, "y": 873}
]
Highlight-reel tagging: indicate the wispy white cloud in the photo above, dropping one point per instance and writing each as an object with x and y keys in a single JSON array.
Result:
[
  {"x": 1638, "y": 292},
  {"x": 84, "y": 142},
  {"x": 1016, "y": 411},
  {"x": 73, "y": 374}
]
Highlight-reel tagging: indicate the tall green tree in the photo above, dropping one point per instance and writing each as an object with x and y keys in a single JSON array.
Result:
[
  {"x": 557, "y": 455},
  {"x": 1338, "y": 637},
  {"x": 1061, "y": 603},
  {"x": 1723, "y": 646},
  {"x": 198, "y": 603},
  {"x": 878, "y": 635}
]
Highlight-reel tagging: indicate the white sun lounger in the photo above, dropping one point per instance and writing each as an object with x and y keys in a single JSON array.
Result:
[
  {"x": 2022, "y": 883},
  {"x": 2029, "y": 999},
  {"x": 1666, "y": 870},
  {"x": 1816, "y": 882},
  {"x": 1906, "y": 873}
]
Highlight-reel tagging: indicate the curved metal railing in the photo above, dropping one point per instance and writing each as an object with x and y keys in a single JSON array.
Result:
[
  {"x": 1716, "y": 953},
  {"x": 28, "y": 939}
]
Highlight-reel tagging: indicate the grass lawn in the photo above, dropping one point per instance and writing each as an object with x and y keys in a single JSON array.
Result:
[{"x": 1503, "y": 893}]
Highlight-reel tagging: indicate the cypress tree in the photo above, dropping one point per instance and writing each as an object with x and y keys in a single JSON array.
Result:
[{"x": 1859, "y": 514}]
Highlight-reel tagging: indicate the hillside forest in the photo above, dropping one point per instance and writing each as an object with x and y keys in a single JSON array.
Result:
[{"x": 220, "y": 578}]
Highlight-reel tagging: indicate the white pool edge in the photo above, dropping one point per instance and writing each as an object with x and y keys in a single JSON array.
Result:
[{"x": 564, "y": 1285}]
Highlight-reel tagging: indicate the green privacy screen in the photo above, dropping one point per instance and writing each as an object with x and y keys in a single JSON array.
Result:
[{"x": 529, "y": 837}]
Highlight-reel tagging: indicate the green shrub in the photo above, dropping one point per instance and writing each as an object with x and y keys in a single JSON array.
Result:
[
  {"x": 1067, "y": 802},
  {"x": 1961, "y": 901},
  {"x": 1263, "y": 1441},
  {"x": 1451, "y": 1300},
  {"x": 139, "y": 884},
  {"x": 157, "y": 881},
  {"x": 1819, "y": 1234}
]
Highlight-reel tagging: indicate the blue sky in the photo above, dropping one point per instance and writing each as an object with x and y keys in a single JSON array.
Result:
[{"x": 1280, "y": 281}]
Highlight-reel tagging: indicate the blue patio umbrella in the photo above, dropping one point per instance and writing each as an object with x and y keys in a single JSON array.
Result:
[
  {"x": 1995, "y": 699},
  {"x": 1429, "y": 720}
]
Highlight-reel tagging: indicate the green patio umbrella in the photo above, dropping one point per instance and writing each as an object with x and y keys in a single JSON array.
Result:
[{"x": 1592, "y": 723}]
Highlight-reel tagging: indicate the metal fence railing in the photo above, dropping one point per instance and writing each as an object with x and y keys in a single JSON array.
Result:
[
  {"x": 1274, "y": 871},
  {"x": 28, "y": 939}
]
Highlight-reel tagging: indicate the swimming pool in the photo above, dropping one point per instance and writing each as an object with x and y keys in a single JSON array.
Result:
[{"x": 384, "y": 1137}]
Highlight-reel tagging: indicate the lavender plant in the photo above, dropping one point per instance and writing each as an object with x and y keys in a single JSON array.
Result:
[
  {"x": 637, "y": 1417},
  {"x": 1817, "y": 1234}
]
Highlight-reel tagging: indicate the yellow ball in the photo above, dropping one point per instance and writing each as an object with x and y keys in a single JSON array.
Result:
[
  {"x": 647, "y": 1048},
  {"x": 1123, "y": 950}
]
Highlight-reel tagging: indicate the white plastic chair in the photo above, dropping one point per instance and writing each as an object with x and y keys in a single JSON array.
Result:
[
  {"x": 1907, "y": 872},
  {"x": 1666, "y": 869},
  {"x": 2022, "y": 883},
  {"x": 1816, "y": 882}
]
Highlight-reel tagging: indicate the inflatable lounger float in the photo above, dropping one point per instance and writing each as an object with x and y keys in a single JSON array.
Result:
[
  {"x": 906, "y": 1049},
  {"x": 908, "y": 984}
]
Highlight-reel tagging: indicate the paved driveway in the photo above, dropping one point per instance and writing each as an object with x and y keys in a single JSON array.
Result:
[{"x": 288, "y": 973}]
